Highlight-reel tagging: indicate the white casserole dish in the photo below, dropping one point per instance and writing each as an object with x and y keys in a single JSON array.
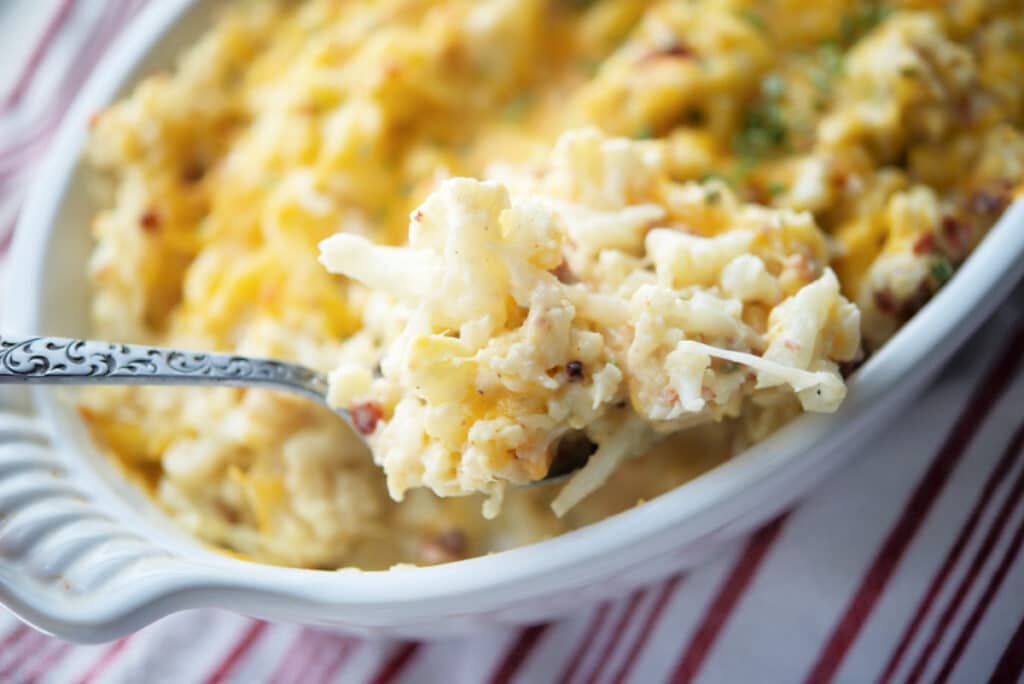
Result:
[{"x": 87, "y": 557}]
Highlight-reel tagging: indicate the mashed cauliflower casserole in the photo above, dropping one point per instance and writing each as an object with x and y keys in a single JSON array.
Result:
[{"x": 649, "y": 233}]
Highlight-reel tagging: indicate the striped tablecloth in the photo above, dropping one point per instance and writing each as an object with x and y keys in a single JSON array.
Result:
[{"x": 906, "y": 567}]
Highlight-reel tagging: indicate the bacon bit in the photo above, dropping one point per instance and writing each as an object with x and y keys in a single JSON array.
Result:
[
  {"x": 791, "y": 345},
  {"x": 957, "y": 234},
  {"x": 885, "y": 302},
  {"x": 802, "y": 265},
  {"x": 453, "y": 55},
  {"x": 94, "y": 119},
  {"x": 193, "y": 173},
  {"x": 987, "y": 203},
  {"x": 564, "y": 273},
  {"x": 837, "y": 180},
  {"x": 150, "y": 221},
  {"x": 924, "y": 244},
  {"x": 846, "y": 368},
  {"x": 417, "y": 215},
  {"x": 964, "y": 108},
  {"x": 670, "y": 396},
  {"x": 757, "y": 193},
  {"x": 365, "y": 417},
  {"x": 445, "y": 546},
  {"x": 452, "y": 540},
  {"x": 676, "y": 50},
  {"x": 227, "y": 511},
  {"x": 707, "y": 394},
  {"x": 574, "y": 369}
]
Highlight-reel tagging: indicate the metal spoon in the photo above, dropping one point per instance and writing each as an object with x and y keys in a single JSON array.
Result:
[{"x": 64, "y": 361}]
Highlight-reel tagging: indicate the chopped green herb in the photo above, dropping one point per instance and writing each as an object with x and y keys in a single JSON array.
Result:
[
  {"x": 729, "y": 367},
  {"x": 821, "y": 81},
  {"x": 830, "y": 56},
  {"x": 854, "y": 24},
  {"x": 848, "y": 28},
  {"x": 516, "y": 109},
  {"x": 826, "y": 67},
  {"x": 695, "y": 116},
  {"x": 1013, "y": 40},
  {"x": 589, "y": 65},
  {"x": 908, "y": 71},
  {"x": 942, "y": 270},
  {"x": 644, "y": 132},
  {"x": 764, "y": 128},
  {"x": 741, "y": 169},
  {"x": 773, "y": 86},
  {"x": 776, "y": 188},
  {"x": 713, "y": 197},
  {"x": 754, "y": 19},
  {"x": 733, "y": 175}
]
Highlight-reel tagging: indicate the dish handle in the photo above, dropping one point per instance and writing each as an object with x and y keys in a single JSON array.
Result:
[{"x": 66, "y": 565}]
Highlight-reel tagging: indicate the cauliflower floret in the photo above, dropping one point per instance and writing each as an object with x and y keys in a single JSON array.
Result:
[
  {"x": 503, "y": 355},
  {"x": 746, "y": 277},
  {"x": 902, "y": 85}
]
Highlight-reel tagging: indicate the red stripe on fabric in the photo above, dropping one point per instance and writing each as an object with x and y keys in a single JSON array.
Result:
[
  {"x": 53, "y": 27},
  {"x": 286, "y": 668},
  {"x": 588, "y": 637},
  {"x": 396, "y": 664},
  {"x": 518, "y": 654},
  {"x": 1012, "y": 452},
  {"x": 136, "y": 7},
  {"x": 237, "y": 652},
  {"x": 981, "y": 401},
  {"x": 344, "y": 654},
  {"x": 21, "y": 153},
  {"x": 105, "y": 660},
  {"x": 42, "y": 123},
  {"x": 982, "y": 607},
  {"x": 27, "y": 647},
  {"x": 322, "y": 648},
  {"x": 616, "y": 633},
  {"x": 663, "y": 597},
  {"x": 7, "y": 237},
  {"x": 47, "y": 662},
  {"x": 996, "y": 478},
  {"x": 995, "y": 582},
  {"x": 1011, "y": 665},
  {"x": 17, "y": 633},
  {"x": 725, "y": 602},
  {"x": 14, "y": 158}
]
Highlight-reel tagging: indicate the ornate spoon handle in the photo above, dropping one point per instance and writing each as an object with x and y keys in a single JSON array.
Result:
[{"x": 58, "y": 360}]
